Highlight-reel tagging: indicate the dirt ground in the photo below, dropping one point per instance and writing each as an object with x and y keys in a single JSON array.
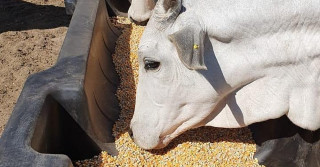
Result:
[{"x": 31, "y": 35}]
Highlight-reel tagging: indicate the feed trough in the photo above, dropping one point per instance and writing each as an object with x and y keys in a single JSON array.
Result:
[{"x": 67, "y": 112}]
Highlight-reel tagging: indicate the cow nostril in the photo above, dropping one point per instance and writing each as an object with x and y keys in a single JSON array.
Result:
[
  {"x": 130, "y": 133},
  {"x": 130, "y": 18}
]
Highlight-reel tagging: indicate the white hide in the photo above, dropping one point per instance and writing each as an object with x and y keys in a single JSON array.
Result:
[
  {"x": 262, "y": 59},
  {"x": 141, "y": 10}
]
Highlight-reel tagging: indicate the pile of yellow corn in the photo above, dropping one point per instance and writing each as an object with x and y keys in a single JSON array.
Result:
[{"x": 205, "y": 146}]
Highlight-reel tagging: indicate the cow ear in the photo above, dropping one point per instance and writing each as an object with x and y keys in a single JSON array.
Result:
[{"x": 190, "y": 46}]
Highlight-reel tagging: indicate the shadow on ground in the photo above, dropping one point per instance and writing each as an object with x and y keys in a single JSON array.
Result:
[{"x": 16, "y": 15}]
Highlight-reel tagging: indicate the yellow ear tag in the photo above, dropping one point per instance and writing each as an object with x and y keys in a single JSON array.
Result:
[{"x": 195, "y": 46}]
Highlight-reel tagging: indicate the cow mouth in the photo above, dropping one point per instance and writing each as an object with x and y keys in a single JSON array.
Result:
[
  {"x": 166, "y": 139},
  {"x": 163, "y": 142}
]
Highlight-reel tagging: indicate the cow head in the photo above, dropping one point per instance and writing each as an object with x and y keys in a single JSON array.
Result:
[{"x": 172, "y": 96}]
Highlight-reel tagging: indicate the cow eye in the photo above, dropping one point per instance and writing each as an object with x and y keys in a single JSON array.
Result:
[{"x": 151, "y": 64}]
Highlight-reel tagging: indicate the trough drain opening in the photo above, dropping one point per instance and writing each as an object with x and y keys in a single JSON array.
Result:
[{"x": 56, "y": 132}]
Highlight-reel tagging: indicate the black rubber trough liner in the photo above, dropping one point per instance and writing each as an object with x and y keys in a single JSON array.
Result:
[{"x": 67, "y": 112}]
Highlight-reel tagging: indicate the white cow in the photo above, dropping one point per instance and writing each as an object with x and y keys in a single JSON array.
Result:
[
  {"x": 227, "y": 63},
  {"x": 140, "y": 10}
]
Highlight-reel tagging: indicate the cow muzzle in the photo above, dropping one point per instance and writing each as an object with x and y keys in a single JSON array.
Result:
[{"x": 146, "y": 137}]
